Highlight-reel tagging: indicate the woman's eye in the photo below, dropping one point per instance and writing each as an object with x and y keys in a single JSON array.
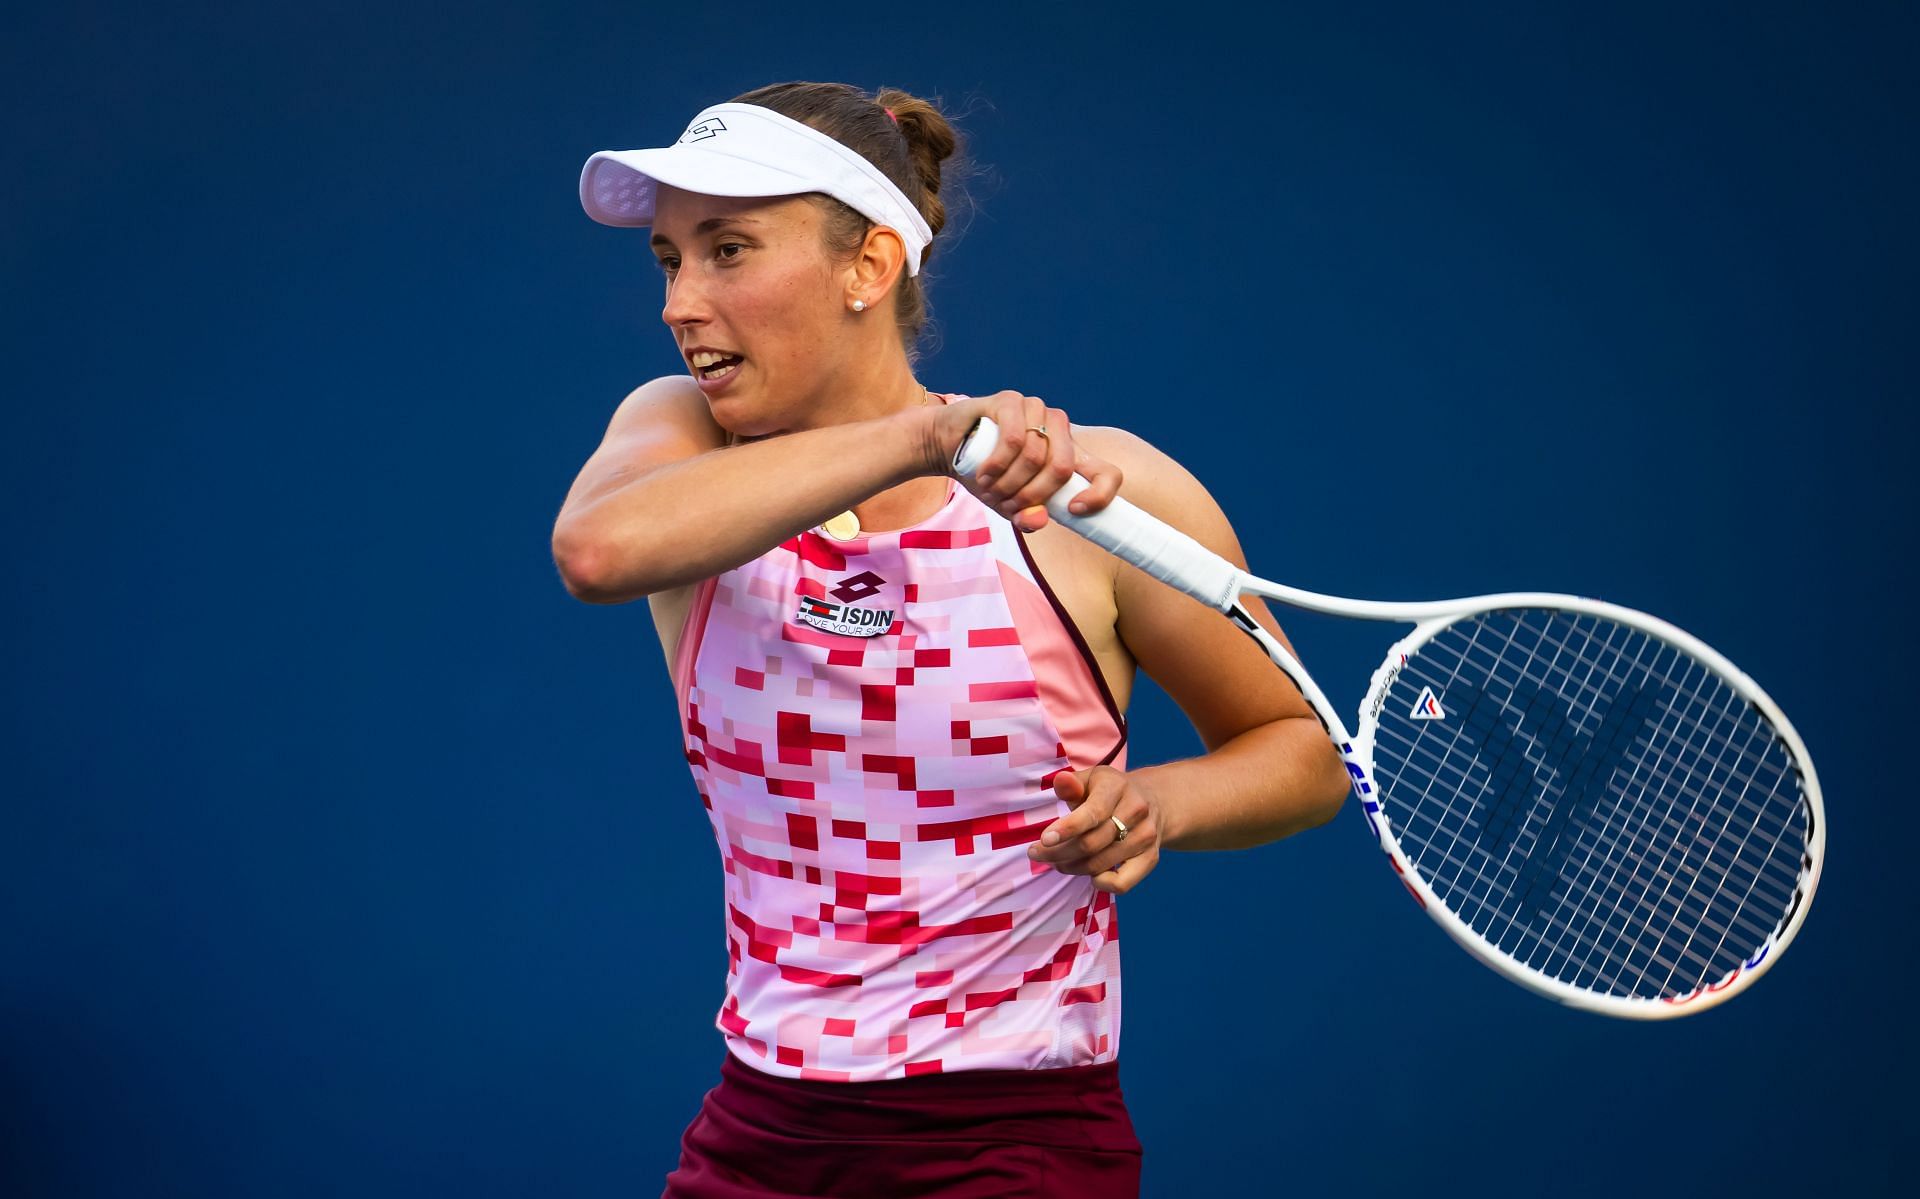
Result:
[
  {"x": 669, "y": 265},
  {"x": 730, "y": 249}
]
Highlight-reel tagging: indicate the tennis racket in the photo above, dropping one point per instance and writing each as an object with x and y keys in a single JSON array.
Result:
[{"x": 1591, "y": 801}]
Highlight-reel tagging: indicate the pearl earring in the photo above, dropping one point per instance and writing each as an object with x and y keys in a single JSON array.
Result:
[{"x": 859, "y": 305}]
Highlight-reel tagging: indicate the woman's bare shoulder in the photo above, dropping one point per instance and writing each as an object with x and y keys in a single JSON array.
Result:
[
  {"x": 670, "y": 400},
  {"x": 1152, "y": 479},
  {"x": 661, "y": 421}
]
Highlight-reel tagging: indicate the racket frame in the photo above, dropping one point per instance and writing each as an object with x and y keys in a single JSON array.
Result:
[
  {"x": 1169, "y": 555},
  {"x": 1359, "y": 757}
]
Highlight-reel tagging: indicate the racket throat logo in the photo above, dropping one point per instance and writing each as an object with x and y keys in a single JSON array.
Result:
[{"x": 1427, "y": 707}]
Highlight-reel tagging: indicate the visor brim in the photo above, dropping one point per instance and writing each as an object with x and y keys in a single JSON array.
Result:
[{"x": 618, "y": 187}]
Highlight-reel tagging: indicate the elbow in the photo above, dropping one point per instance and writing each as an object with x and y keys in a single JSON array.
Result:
[
  {"x": 1325, "y": 812},
  {"x": 577, "y": 575},
  {"x": 1335, "y": 784},
  {"x": 586, "y": 573}
]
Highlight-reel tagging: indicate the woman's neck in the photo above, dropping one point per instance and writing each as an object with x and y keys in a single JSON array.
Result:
[
  {"x": 888, "y": 387},
  {"x": 882, "y": 389}
]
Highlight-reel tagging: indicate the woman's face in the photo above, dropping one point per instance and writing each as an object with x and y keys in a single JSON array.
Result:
[{"x": 755, "y": 304}]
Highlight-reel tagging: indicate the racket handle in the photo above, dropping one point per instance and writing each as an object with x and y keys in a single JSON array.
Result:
[{"x": 1124, "y": 530}]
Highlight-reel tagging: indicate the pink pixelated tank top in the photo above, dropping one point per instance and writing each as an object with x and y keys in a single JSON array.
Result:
[{"x": 874, "y": 726}]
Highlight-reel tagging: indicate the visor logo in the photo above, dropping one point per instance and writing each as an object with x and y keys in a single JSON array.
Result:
[{"x": 704, "y": 130}]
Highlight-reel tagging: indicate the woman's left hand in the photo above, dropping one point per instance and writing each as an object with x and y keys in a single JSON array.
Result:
[{"x": 1088, "y": 841}]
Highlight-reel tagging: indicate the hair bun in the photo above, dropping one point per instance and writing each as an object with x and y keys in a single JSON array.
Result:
[{"x": 930, "y": 140}]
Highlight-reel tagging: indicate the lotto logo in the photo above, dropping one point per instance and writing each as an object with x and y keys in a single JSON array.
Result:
[{"x": 858, "y": 587}]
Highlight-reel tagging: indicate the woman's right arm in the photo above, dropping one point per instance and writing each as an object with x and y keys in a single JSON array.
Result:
[{"x": 664, "y": 502}]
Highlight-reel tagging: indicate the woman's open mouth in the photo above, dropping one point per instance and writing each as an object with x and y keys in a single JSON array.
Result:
[{"x": 712, "y": 366}]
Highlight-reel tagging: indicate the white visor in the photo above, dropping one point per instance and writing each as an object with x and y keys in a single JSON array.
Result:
[{"x": 746, "y": 150}]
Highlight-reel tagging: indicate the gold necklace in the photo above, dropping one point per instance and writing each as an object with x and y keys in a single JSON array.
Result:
[{"x": 846, "y": 526}]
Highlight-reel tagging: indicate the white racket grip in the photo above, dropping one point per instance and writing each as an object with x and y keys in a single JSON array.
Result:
[{"x": 1126, "y": 531}]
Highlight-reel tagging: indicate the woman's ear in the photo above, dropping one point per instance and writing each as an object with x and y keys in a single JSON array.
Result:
[{"x": 876, "y": 267}]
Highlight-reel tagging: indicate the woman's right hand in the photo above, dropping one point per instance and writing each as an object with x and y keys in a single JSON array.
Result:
[{"x": 1026, "y": 467}]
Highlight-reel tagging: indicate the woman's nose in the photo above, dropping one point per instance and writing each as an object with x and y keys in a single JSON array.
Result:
[{"x": 686, "y": 300}]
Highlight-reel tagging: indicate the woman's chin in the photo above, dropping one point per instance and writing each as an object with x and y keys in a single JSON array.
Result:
[{"x": 743, "y": 420}]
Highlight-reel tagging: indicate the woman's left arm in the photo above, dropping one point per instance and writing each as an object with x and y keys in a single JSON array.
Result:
[{"x": 1269, "y": 770}]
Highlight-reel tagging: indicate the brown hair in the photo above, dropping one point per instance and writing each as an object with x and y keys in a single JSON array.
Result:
[{"x": 908, "y": 138}]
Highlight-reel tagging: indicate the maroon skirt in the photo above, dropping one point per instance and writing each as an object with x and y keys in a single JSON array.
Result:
[{"x": 1001, "y": 1133}]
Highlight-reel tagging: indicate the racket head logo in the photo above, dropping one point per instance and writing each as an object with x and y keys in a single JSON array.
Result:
[{"x": 1427, "y": 707}]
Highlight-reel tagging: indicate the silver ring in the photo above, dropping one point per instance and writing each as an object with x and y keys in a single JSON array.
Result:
[{"x": 1121, "y": 825}]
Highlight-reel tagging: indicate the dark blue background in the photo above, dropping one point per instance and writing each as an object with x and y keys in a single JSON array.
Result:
[{"x": 345, "y": 854}]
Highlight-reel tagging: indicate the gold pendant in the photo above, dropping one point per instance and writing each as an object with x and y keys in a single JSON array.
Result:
[{"x": 844, "y": 527}]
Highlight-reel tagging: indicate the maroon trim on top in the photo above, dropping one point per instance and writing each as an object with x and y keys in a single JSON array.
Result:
[
  {"x": 686, "y": 654},
  {"x": 1080, "y": 643}
]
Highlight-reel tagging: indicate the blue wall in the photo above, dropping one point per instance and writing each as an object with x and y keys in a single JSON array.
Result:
[{"x": 345, "y": 854}]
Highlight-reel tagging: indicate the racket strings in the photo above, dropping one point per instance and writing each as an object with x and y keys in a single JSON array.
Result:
[
  {"x": 1701, "y": 860},
  {"x": 1596, "y": 803},
  {"x": 1662, "y": 870},
  {"x": 1663, "y": 874},
  {"x": 1608, "y": 848}
]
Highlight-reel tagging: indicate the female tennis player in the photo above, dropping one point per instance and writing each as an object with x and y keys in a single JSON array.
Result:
[{"x": 901, "y": 693}]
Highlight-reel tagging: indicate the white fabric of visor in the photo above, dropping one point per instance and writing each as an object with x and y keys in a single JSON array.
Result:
[{"x": 746, "y": 150}]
